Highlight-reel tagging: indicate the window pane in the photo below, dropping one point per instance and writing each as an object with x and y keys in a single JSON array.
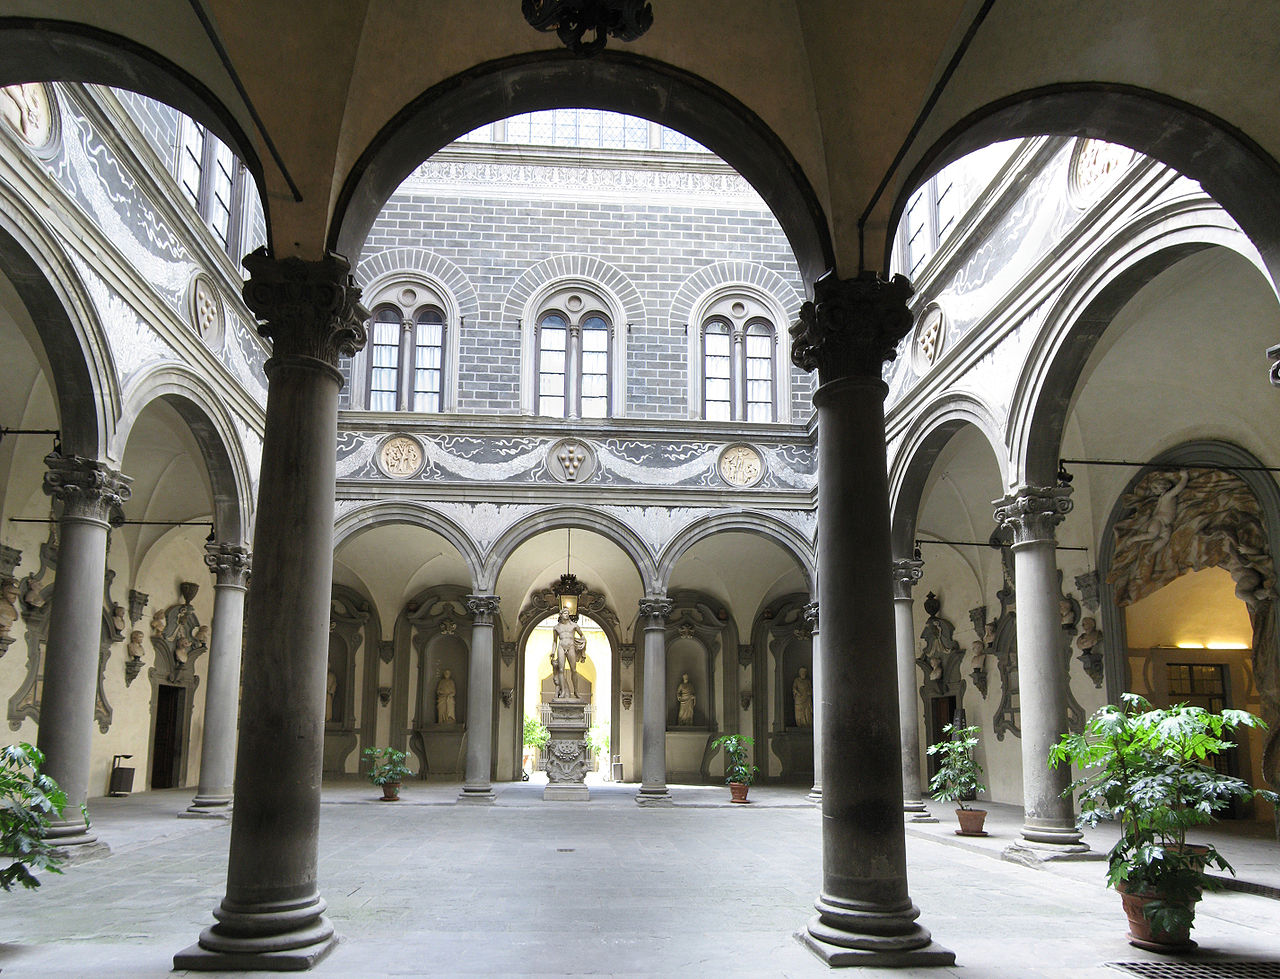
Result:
[
  {"x": 190, "y": 158},
  {"x": 551, "y": 406},
  {"x": 717, "y": 411},
  {"x": 717, "y": 390},
  {"x": 428, "y": 378}
]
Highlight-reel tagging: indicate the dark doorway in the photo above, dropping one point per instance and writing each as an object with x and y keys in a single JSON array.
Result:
[
  {"x": 166, "y": 751},
  {"x": 942, "y": 711}
]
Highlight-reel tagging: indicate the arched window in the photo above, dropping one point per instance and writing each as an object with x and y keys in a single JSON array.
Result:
[
  {"x": 384, "y": 359},
  {"x": 406, "y": 359},
  {"x": 738, "y": 382},
  {"x": 573, "y": 379}
]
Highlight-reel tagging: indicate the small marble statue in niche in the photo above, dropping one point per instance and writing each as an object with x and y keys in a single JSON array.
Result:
[
  {"x": 31, "y": 596},
  {"x": 1089, "y": 643},
  {"x": 446, "y": 695},
  {"x": 802, "y": 692},
  {"x": 134, "y": 649},
  {"x": 685, "y": 701},
  {"x": 117, "y": 619},
  {"x": 1066, "y": 613},
  {"x": 330, "y": 688},
  {"x": 568, "y": 646}
]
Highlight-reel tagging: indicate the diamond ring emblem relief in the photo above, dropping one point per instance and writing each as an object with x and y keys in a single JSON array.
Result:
[
  {"x": 929, "y": 339},
  {"x": 571, "y": 461},
  {"x": 741, "y": 465},
  {"x": 206, "y": 311},
  {"x": 401, "y": 457}
]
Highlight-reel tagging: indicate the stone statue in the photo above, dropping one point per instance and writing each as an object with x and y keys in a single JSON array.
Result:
[
  {"x": 446, "y": 694},
  {"x": 158, "y": 623},
  {"x": 802, "y": 691},
  {"x": 181, "y": 653},
  {"x": 31, "y": 596},
  {"x": 1066, "y": 613},
  {"x": 978, "y": 653},
  {"x": 1089, "y": 636},
  {"x": 685, "y": 701},
  {"x": 1159, "y": 526},
  {"x": 201, "y": 635},
  {"x": 8, "y": 605},
  {"x": 330, "y": 688},
  {"x": 569, "y": 646},
  {"x": 117, "y": 619},
  {"x": 134, "y": 649}
]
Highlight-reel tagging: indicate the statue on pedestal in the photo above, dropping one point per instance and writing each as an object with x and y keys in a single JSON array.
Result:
[
  {"x": 685, "y": 701},
  {"x": 569, "y": 646},
  {"x": 446, "y": 694},
  {"x": 802, "y": 691}
]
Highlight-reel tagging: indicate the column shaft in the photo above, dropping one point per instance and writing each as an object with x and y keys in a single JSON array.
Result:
[
  {"x": 230, "y": 565},
  {"x": 811, "y": 613},
  {"x": 865, "y": 916},
  {"x": 272, "y": 916},
  {"x": 653, "y": 767},
  {"x": 477, "y": 787},
  {"x": 906, "y": 573},
  {"x": 89, "y": 493}
]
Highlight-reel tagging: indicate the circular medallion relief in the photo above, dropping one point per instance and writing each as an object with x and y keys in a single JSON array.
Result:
[
  {"x": 401, "y": 457},
  {"x": 741, "y": 465},
  {"x": 928, "y": 339},
  {"x": 574, "y": 303},
  {"x": 28, "y": 112},
  {"x": 205, "y": 309},
  {"x": 408, "y": 297},
  {"x": 739, "y": 310},
  {"x": 1095, "y": 166},
  {"x": 571, "y": 461}
]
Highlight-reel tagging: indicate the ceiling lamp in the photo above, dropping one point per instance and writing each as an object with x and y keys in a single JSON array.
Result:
[
  {"x": 572, "y": 19},
  {"x": 568, "y": 589}
]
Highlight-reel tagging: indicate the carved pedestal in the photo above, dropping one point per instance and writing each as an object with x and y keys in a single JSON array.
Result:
[{"x": 567, "y": 752}]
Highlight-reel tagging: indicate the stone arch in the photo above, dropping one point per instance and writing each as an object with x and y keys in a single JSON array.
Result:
[
  {"x": 712, "y": 283},
  {"x": 575, "y": 517},
  {"x": 1234, "y": 170},
  {"x": 1097, "y": 291},
  {"x": 615, "y": 80},
  {"x": 214, "y": 430},
  {"x": 538, "y": 281},
  {"x": 37, "y": 49},
  {"x": 367, "y": 516},
  {"x": 758, "y": 522},
  {"x": 932, "y": 429},
  {"x": 69, "y": 333},
  {"x": 1209, "y": 453}
]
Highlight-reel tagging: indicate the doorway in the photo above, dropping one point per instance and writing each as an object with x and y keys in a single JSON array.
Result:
[
  {"x": 942, "y": 711},
  {"x": 166, "y": 749}
]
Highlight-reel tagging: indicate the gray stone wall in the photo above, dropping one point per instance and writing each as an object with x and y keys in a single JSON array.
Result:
[
  {"x": 656, "y": 245},
  {"x": 158, "y": 122}
]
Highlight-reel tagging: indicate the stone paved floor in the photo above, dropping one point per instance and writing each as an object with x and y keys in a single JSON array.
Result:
[{"x": 426, "y": 887}]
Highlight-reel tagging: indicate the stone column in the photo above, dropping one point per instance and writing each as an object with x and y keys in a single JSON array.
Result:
[
  {"x": 811, "y": 616},
  {"x": 273, "y": 916},
  {"x": 653, "y": 762},
  {"x": 865, "y": 916},
  {"x": 905, "y": 574},
  {"x": 573, "y": 372},
  {"x": 230, "y": 566},
  {"x": 91, "y": 494},
  {"x": 477, "y": 787},
  {"x": 1031, "y": 513}
]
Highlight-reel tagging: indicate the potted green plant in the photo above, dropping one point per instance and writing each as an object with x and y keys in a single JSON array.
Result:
[
  {"x": 957, "y": 778},
  {"x": 389, "y": 773},
  {"x": 536, "y": 737},
  {"x": 739, "y": 773},
  {"x": 28, "y": 800},
  {"x": 1151, "y": 770}
]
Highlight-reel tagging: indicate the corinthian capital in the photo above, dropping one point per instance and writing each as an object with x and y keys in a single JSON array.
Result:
[
  {"x": 654, "y": 611},
  {"x": 906, "y": 572},
  {"x": 852, "y": 326},
  {"x": 87, "y": 488},
  {"x": 309, "y": 309},
  {"x": 230, "y": 563},
  {"x": 482, "y": 608},
  {"x": 810, "y": 613},
  {"x": 1032, "y": 512}
]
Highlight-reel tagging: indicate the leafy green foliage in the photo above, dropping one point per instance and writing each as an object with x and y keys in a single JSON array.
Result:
[
  {"x": 597, "y": 740},
  {"x": 28, "y": 800},
  {"x": 737, "y": 767},
  {"x": 1151, "y": 770},
  {"x": 392, "y": 770},
  {"x": 536, "y": 734},
  {"x": 958, "y": 774}
]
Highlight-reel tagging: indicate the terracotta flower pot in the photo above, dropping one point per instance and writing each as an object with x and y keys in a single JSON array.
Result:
[
  {"x": 390, "y": 791},
  {"x": 971, "y": 822},
  {"x": 1141, "y": 932},
  {"x": 738, "y": 791}
]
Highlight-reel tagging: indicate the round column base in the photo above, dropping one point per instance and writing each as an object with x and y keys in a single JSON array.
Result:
[
  {"x": 477, "y": 794},
  {"x": 915, "y": 811},
  {"x": 815, "y": 794},
  {"x": 1053, "y": 834},
  {"x": 208, "y": 807},
  {"x": 844, "y": 934},
  {"x": 70, "y": 833},
  {"x": 654, "y": 796},
  {"x": 283, "y": 937},
  {"x": 1029, "y": 853}
]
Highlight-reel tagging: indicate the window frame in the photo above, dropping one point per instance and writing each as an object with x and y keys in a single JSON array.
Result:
[
  {"x": 207, "y": 199},
  {"x": 759, "y": 309},
  {"x": 575, "y": 329}
]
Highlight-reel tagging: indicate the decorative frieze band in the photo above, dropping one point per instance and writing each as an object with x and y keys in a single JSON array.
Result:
[
  {"x": 230, "y": 563},
  {"x": 906, "y": 572},
  {"x": 309, "y": 309},
  {"x": 87, "y": 488},
  {"x": 852, "y": 326},
  {"x": 1032, "y": 512}
]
